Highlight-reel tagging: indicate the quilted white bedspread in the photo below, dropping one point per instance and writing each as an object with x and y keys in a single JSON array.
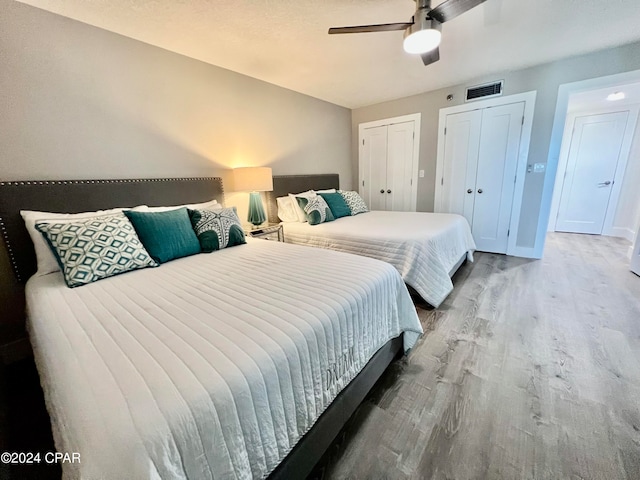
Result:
[
  {"x": 424, "y": 247},
  {"x": 211, "y": 366}
]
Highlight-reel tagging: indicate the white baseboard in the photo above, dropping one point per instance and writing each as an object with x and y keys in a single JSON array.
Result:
[{"x": 622, "y": 232}]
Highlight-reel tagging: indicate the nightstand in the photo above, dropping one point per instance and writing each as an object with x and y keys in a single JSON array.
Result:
[{"x": 270, "y": 232}]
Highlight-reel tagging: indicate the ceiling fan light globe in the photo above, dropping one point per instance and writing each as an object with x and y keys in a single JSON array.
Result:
[{"x": 422, "y": 41}]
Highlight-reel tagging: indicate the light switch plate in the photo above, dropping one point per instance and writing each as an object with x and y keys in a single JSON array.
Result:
[
  {"x": 538, "y": 167},
  {"x": 421, "y": 173}
]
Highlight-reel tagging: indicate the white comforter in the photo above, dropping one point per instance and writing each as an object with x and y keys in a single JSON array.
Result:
[
  {"x": 423, "y": 247},
  {"x": 211, "y": 366}
]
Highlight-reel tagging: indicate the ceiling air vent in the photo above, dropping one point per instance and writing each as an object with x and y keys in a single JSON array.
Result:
[{"x": 484, "y": 91}]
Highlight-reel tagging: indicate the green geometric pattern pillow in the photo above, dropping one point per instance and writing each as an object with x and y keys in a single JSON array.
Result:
[
  {"x": 354, "y": 201},
  {"x": 316, "y": 210},
  {"x": 95, "y": 248},
  {"x": 217, "y": 229}
]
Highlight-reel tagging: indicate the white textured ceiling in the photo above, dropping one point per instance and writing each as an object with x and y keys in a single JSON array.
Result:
[{"x": 285, "y": 42}]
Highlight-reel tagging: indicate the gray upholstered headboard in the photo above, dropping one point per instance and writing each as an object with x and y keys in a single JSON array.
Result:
[
  {"x": 74, "y": 196},
  {"x": 285, "y": 184}
]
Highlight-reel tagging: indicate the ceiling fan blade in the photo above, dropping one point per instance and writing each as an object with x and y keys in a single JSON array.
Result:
[
  {"x": 450, "y": 9},
  {"x": 385, "y": 27},
  {"x": 431, "y": 57}
]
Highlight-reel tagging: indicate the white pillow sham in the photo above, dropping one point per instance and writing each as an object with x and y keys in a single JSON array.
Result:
[
  {"x": 211, "y": 204},
  {"x": 309, "y": 194},
  {"x": 286, "y": 212},
  {"x": 46, "y": 261}
]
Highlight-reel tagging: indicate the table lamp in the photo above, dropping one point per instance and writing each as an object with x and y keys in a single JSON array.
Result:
[{"x": 254, "y": 180}]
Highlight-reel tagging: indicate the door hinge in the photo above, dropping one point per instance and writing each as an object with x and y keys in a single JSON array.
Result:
[
  {"x": 363, "y": 141},
  {"x": 411, "y": 182},
  {"x": 445, "y": 130},
  {"x": 522, "y": 120},
  {"x": 515, "y": 178},
  {"x": 508, "y": 232},
  {"x": 363, "y": 183},
  {"x": 442, "y": 181}
]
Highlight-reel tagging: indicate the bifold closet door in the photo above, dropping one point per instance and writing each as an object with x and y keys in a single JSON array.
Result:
[
  {"x": 387, "y": 168},
  {"x": 480, "y": 161},
  {"x": 374, "y": 168},
  {"x": 400, "y": 137},
  {"x": 462, "y": 143},
  {"x": 496, "y": 176}
]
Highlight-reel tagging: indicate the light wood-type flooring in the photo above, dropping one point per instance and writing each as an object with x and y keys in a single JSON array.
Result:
[{"x": 529, "y": 370}]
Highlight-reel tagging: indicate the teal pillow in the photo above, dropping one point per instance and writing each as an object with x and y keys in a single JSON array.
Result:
[
  {"x": 316, "y": 209},
  {"x": 337, "y": 205},
  {"x": 217, "y": 229},
  {"x": 165, "y": 235},
  {"x": 91, "y": 249}
]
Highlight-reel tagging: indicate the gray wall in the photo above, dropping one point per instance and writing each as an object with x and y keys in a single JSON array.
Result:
[
  {"x": 80, "y": 102},
  {"x": 544, "y": 78}
]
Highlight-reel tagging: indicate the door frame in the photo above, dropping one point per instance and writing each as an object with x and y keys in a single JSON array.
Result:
[
  {"x": 416, "y": 118},
  {"x": 625, "y": 150},
  {"x": 529, "y": 99}
]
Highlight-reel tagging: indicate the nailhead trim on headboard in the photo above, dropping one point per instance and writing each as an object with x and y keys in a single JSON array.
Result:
[{"x": 11, "y": 250}]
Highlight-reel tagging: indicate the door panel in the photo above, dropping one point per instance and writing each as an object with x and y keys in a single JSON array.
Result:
[
  {"x": 374, "y": 168},
  {"x": 495, "y": 178},
  {"x": 462, "y": 141},
  {"x": 399, "y": 166},
  {"x": 595, "y": 148},
  {"x": 635, "y": 257}
]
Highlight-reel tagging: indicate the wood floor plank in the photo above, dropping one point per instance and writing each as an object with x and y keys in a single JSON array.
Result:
[{"x": 530, "y": 369}]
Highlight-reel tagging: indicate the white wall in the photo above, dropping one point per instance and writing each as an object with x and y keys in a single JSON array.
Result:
[{"x": 627, "y": 219}]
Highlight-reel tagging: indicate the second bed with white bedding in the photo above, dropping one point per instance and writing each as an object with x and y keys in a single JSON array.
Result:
[
  {"x": 423, "y": 247},
  {"x": 210, "y": 366}
]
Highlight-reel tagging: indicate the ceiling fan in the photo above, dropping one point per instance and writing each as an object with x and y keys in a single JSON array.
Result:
[{"x": 423, "y": 33}]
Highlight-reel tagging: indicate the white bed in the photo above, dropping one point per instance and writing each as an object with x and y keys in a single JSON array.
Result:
[
  {"x": 425, "y": 248},
  {"x": 210, "y": 366}
]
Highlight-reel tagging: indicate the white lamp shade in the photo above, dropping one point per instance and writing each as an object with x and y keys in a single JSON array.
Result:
[{"x": 253, "y": 179}]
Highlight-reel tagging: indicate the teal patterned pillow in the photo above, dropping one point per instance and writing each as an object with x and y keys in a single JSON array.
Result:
[
  {"x": 95, "y": 248},
  {"x": 354, "y": 201},
  {"x": 316, "y": 210},
  {"x": 217, "y": 229}
]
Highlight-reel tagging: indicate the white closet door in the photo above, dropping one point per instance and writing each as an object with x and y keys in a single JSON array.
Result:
[
  {"x": 495, "y": 179},
  {"x": 462, "y": 141},
  {"x": 374, "y": 168},
  {"x": 400, "y": 138},
  {"x": 596, "y": 144}
]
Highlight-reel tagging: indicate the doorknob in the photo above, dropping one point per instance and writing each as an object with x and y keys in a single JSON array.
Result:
[
  {"x": 604, "y": 184},
  {"x": 382, "y": 190},
  {"x": 479, "y": 190},
  {"x": 469, "y": 191},
  {"x": 388, "y": 191}
]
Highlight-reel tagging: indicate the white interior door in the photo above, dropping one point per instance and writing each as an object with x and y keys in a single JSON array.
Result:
[
  {"x": 596, "y": 145},
  {"x": 400, "y": 138},
  {"x": 462, "y": 143},
  {"x": 496, "y": 176},
  {"x": 635, "y": 257},
  {"x": 373, "y": 167}
]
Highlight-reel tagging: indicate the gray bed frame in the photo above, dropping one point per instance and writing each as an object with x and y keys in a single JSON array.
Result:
[{"x": 74, "y": 196}]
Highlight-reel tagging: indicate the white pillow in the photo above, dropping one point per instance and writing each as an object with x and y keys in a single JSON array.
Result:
[
  {"x": 286, "y": 212},
  {"x": 299, "y": 211},
  {"x": 46, "y": 261},
  {"x": 330, "y": 190},
  {"x": 212, "y": 205}
]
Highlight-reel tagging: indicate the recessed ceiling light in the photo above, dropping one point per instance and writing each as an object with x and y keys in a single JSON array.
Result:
[{"x": 612, "y": 97}]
